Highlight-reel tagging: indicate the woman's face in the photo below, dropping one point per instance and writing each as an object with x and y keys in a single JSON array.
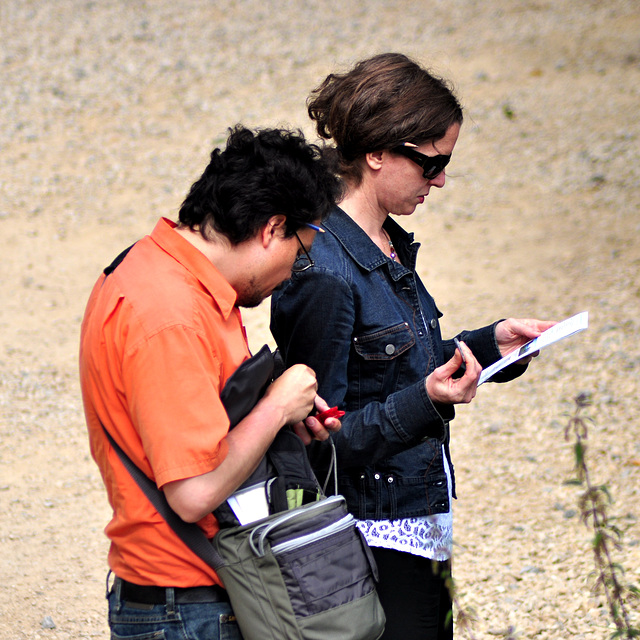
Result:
[{"x": 399, "y": 184}]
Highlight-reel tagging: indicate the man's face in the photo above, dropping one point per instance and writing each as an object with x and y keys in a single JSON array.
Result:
[{"x": 275, "y": 268}]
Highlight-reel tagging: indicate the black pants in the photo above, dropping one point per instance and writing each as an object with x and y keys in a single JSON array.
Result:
[{"x": 414, "y": 596}]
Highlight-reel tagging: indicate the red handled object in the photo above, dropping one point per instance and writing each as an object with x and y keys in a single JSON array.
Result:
[{"x": 334, "y": 412}]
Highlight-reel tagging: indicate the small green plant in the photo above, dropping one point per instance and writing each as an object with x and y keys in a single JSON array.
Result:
[
  {"x": 465, "y": 618},
  {"x": 508, "y": 112},
  {"x": 594, "y": 504}
]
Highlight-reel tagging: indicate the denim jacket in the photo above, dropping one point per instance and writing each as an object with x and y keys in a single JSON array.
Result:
[{"x": 370, "y": 330}]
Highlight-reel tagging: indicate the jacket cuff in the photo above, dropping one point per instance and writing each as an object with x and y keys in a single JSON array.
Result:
[
  {"x": 487, "y": 352},
  {"x": 414, "y": 416}
]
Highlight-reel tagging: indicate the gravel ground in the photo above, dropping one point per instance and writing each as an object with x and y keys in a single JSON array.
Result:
[{"x": 109, "y": 112}]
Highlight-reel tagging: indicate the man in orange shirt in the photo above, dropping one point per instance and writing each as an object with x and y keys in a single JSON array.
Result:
[{"x": 161, "y": 335}]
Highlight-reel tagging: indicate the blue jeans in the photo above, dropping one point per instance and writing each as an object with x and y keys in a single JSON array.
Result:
[{"x": 170, "y": 621}]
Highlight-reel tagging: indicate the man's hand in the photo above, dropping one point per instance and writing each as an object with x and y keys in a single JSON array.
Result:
[
  {"x": 511, "y": 334},
  {"x": 444, "y": 388},
  {"x": 313, "y": 429},
  {"x": 294, "y": 392},
  {"x": 288, "y": 400}
]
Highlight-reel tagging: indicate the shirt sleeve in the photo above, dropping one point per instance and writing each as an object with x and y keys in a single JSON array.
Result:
[
  {"x": 313, "y": 319},
  {"x": 172, "y": 386}
]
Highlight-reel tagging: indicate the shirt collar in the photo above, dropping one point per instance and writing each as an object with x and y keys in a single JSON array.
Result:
[
  {"x": 196, "y": 263},
  {"x": 358, "y": 244}
]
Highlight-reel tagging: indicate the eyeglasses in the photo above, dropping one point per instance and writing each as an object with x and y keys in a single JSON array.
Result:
[
  {"x": 303, "y": 261},
  {"x": 432, "y": 166}
]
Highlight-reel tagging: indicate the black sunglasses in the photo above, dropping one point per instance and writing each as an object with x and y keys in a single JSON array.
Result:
[{"x": 432, "y": 166}]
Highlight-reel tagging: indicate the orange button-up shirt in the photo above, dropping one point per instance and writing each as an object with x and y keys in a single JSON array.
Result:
[{"x": 160, "y": 337}]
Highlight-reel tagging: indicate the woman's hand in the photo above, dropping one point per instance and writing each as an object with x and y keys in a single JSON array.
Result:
[
  {"x": 511, "y": 334},
  {"x": 442, "y": 387}
]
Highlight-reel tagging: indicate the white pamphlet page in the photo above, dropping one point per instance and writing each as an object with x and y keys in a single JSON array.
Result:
[
  {"x": 559, "y": 331},
  {"x": 250, "y": 504}
]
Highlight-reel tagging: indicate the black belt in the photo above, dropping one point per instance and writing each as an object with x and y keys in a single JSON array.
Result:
[{"x": 158, "y": 595}]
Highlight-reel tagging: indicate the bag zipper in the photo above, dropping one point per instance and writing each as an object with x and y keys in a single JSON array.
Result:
[
  {"x": 260, "y": 532},
  {"x": 336, "y": 527}
]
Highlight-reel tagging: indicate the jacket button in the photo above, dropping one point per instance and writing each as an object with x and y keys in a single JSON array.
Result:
[
  {"x": 433, "y": 323},
  {"x": 377, "y": 476},
  {"x": 390, "y": 479},
  {"x": 389, "y": 349}
]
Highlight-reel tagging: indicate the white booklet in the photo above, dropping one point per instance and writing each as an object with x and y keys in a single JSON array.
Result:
[
  {"x": 559, "y": 331},
  {"x": 250, "y": 504}
]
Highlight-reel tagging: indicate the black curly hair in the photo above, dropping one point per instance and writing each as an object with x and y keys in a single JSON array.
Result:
[{"x": 258, "y": 175}]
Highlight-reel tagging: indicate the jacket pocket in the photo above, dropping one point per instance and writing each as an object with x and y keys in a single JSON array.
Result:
[{"x": 385, "y": 344}]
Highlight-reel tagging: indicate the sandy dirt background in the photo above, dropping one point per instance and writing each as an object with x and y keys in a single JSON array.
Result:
[{"x": 109, "y": 111}]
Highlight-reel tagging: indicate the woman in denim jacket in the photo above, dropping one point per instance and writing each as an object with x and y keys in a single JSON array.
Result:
[{"x": 359, "y": 315}]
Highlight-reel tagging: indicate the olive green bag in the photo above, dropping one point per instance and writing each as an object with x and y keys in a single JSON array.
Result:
[{"x": 305, "y": 574}]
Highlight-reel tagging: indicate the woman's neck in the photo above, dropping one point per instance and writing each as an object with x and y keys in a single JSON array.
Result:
[
  {"x": 365, "y": 212},
  {"x": 370, "y": 218}
]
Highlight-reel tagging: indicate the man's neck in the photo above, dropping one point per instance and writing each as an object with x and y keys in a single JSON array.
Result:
[{"x": 215, "y": 248}]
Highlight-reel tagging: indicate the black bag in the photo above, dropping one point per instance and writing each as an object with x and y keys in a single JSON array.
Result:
[{"x": 285, "y": 471}]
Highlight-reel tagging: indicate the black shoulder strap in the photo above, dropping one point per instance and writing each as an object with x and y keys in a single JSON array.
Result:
[
  {"x": 112, "y": 267},
  {"x": 242, "y": 391},
  {"x": 191, "y": 534},
  {"x": 240, "y": 394},
  {"x": 188, "y": 532}
]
